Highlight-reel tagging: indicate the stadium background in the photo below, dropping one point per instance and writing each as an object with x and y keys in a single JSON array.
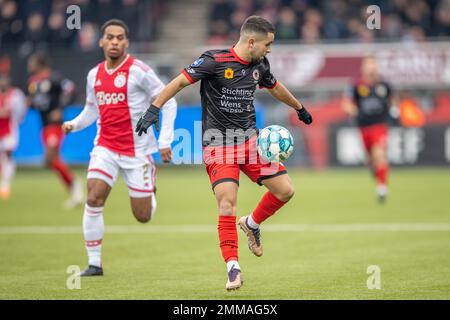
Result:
[{"x": 317, "y": 54}]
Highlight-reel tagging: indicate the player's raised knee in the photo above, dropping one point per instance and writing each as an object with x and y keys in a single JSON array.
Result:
[
  {"x": 51, "y": 157},
  {"x": 93, "y": 200},
  {"x": 143, "y": 216},
  {"x": 143, "y": 219},
  {"x": 291, "y": 193},
  {"x": 226, "y": 207},
  {"x": 49, "y": 162},
  {"x": 285, "y": 194}
]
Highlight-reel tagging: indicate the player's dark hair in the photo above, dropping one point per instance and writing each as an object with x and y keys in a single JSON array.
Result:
[
  {"x": 257, "y": 24},
  {"x": 115, "y": 22},
  {"x": 41, "y": 59}
]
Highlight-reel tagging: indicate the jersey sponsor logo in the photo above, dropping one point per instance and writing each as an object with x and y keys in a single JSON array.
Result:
[
  {"x": 228, "y": 74},
  {"x": 190, "y": 70},
  {"x": 372, "y": 106},
  {"x": 363, "y": 90},
  {"x": 109, "y": 98},
  {"x": 197, "y": 62},
  {"x": 120, "y": 80}
]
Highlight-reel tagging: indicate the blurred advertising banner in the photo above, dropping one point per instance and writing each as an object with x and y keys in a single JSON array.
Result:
[
  {"x": 405, "y": 65},
  {"x": 76, "y": 148},
  {"x": 427, "y": 146}
]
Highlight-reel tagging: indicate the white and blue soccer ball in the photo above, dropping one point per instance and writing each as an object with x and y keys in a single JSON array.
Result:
[{"x": 275, "y": 143}]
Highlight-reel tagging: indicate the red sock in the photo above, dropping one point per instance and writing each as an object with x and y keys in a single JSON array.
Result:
[
  {"x": 228, "y": 237},
  {"x": 63, "y": 170},
  {"x": 381, "y": 173},
  {"x": 268, "y": 205}
]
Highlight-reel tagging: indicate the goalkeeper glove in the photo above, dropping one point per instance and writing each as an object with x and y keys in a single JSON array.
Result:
[
  {"x": 304, "y": 115},
  {"x": 149, "y": 117}
]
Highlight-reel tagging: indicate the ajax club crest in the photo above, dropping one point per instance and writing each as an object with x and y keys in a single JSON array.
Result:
[{"x": 120, "y": 80}]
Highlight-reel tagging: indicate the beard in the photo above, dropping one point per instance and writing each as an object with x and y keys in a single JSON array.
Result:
[{"x": 257, "y": 59}]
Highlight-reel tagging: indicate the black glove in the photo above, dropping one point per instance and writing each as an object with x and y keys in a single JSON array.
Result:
[
  {"x": 304, "y": 115},
  {"x": 149, "y": 117}
]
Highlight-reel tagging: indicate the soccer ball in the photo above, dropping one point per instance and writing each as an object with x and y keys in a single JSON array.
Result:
[{"x": 275, "y": 143}]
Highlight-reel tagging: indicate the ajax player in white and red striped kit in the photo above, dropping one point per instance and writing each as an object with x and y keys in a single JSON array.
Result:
[
  {"x": 12, "y": 110},
  {"x": 118, "y": 91}
]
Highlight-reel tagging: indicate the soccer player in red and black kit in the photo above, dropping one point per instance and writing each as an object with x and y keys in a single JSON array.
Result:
[
  {"x": 368, "y": 101},
  {"x": 49, "y": 93},
  {"x": 229, "y": 79}
]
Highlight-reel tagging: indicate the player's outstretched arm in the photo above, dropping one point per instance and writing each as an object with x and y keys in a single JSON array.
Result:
[
  {"x": 281, "y": 93},
  {"x": 83, "y": 120},
  {"x": 349, "y": 107},
  {"x": 169, "y": 111},
  {"x": 394, "y": 106},
  {"x": 90, "y": 112},
  {"x": 151, "y": 116},
  {"x": 171, "y": 90},
  {"x": 348, "y": 101},
  {"x": 20, "y": 106}
]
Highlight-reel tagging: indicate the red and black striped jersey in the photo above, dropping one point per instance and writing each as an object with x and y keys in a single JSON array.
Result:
[
  {"x": 228, "y": 85},
  {"x": 373, "y": 102},
  {"x": 49, "y": 91}
]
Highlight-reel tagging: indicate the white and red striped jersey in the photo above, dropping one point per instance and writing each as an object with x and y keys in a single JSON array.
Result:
[
  {"x": 13, "y": 106},
  {"x": 117, "y": 98}
]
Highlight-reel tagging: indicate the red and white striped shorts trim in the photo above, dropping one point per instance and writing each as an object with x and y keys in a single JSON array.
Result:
[{"x": 93, "y": 243}]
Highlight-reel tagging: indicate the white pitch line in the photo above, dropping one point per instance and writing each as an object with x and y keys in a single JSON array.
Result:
[{"x": 294, "y": 228}]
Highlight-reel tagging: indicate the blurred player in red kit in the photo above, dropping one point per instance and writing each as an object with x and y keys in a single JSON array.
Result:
[
  {"x": 229, "y": 78},
  {"x": 13, "y": 107},
  {"x": 49, "y": 92},
  {"x": 369, "y": 101},
  {"x": 118, "y": 90}
]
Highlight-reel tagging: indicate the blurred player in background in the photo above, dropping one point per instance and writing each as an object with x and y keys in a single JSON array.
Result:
[
  {"x": 369, "y": 101},
  {"x": 49, "y": 93},
  {"x": 118, "y": 91},
  {"x": 229, "y": 80},
  {"x": 13, "y": 107}
]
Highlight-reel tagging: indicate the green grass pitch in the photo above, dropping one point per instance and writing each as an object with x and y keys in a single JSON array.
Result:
[{"x": 318, "y": 246}]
